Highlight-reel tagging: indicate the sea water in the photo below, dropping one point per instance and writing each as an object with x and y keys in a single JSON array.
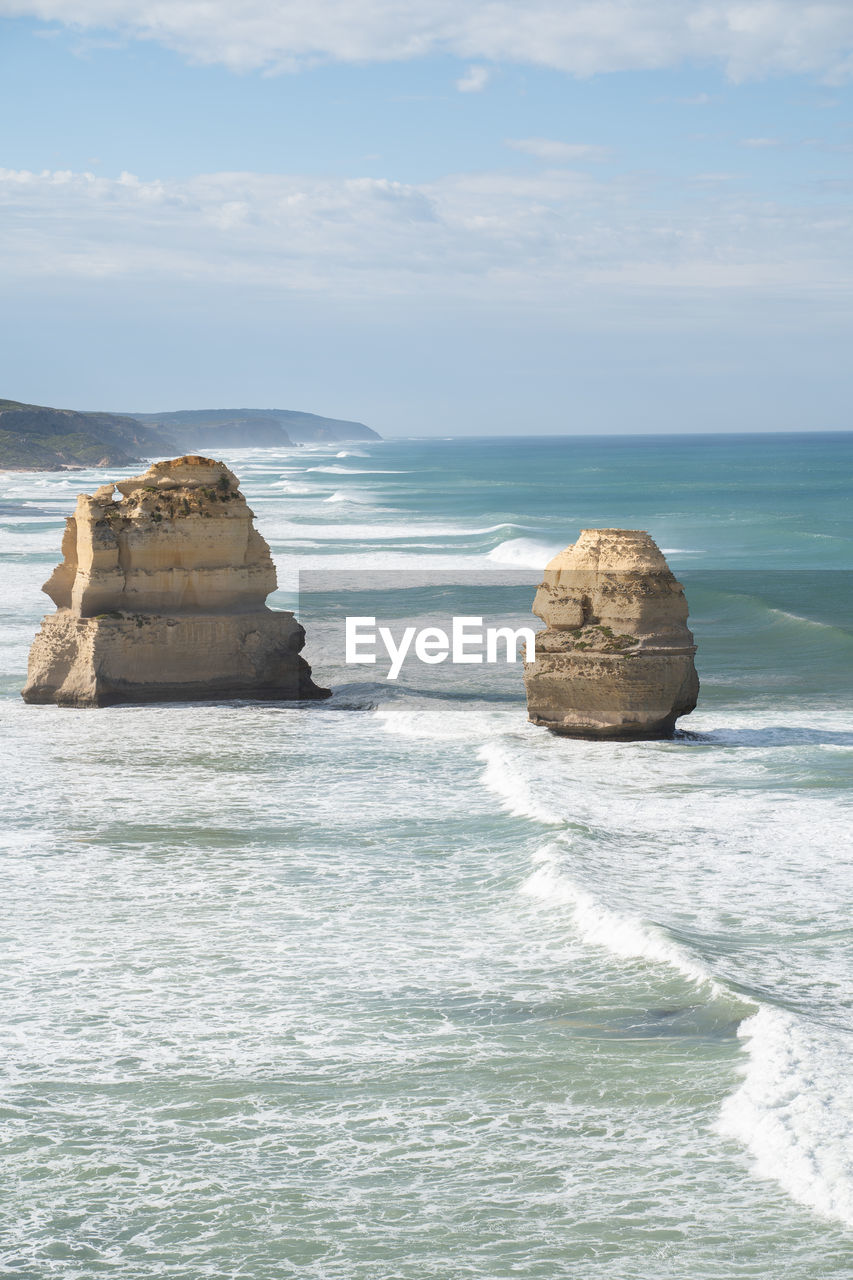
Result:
[{"x": 398, "y": 987}]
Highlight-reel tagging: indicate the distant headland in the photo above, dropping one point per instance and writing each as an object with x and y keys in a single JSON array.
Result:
[{"x": 35, "y": 437}]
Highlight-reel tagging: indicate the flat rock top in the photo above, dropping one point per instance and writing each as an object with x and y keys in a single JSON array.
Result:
[
  {"x": 611, "y": 551},
  {"x": 189, "y": 472}
]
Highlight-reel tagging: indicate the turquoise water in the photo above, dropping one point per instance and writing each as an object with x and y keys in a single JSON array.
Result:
[{"x": 401, "y": 987}]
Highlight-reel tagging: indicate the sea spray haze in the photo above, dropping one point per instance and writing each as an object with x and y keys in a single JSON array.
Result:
[{"x": 403, "y": 986}]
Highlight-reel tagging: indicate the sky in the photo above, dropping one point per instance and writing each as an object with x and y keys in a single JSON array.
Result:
[{"x": 433, "y": 217}]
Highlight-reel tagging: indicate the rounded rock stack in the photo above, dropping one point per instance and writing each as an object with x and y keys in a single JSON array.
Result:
[
  {"x": 161, "y": 597},
  {"x": 616, "y": 657}
]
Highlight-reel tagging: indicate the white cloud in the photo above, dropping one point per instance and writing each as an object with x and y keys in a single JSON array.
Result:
[
  {"x": 748, "y": 37},
  {"x": 474, "y": 80},
  {"x": 547, "y": 237},
  {"x": 554, "y": 152},
  {"x": 819, "y": 144}
]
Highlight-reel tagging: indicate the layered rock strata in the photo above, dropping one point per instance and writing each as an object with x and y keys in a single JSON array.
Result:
[
  {"x": 616, "y": 657},
  {"x": 160, "y": 596}
]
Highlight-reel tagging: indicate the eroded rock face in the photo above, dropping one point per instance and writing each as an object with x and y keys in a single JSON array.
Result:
[
  {"x": 616, "y": 657},
  {"x": 161, "y": 596}
]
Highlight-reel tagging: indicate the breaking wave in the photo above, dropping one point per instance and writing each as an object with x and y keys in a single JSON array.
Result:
[
  {"x": 355, "y": 471},
  {"x": 623, "y": 935},
  {"x": 503, "y": 776},
  {"x": 354, "y": 497},
  {"x": 794, "y": 1110},
  {"x": 527, "y": 553}
]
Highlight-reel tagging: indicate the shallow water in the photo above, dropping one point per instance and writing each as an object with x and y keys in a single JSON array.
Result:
[{"x": 400, "y": 986}]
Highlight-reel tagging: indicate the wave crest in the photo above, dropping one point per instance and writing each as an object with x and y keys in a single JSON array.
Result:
[
  {"x": 526, "y": 553},
  {"x": 794, "y": 1110}
]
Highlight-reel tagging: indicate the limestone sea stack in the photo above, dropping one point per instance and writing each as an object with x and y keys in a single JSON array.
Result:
[
  {"x": 161, "y": 595},
  {"x": 616, "y": 657}
]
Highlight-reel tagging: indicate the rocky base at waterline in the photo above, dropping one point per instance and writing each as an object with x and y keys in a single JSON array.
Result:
[
  {"x": 616, "y": 659},
  {"x": 97, "y": 662},
  {"x": 161, "y": 597}
]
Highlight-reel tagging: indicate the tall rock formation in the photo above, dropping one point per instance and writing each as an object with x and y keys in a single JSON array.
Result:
[
  {"x": 616, "y": 658},
  {"x": 160, "y": 597}
]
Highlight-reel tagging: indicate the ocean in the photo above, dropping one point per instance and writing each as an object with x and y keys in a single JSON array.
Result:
[{"x": 399, "y": 987}]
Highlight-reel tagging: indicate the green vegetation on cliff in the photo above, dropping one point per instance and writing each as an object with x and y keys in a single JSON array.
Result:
[{"x": 37, "y": 438}]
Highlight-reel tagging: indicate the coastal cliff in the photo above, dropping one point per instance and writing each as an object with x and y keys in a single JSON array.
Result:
[
  {"x": 161, "y": 596},
  {"x": 34, "y": 437},
  {"x": 202, "y": 429},
  {"x": 616, "y": 658}
]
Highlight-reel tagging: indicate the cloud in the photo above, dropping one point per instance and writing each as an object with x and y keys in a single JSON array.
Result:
[
  {"x": 474, "y": 80},
  {"x": 748, "y": 37},
  {"x": 549, "y": 238},
  {"x": 553, "y": 152},
  {"x": 827, "y": 145}
]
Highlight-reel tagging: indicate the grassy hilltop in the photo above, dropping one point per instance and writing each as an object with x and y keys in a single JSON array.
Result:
[{"x": 34, "y": 437}]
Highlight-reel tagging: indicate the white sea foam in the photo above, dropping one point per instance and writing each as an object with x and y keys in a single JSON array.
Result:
[
  {"x": 794, "y": 1110},
  {"x": 356, "y": 498},
  {"x": 504, "y": 776},
  {"x": 535, "y": 554},
  {"x": 623, "y": 935},
  {"x": 798, "y": 617},
  {"x": 351, "y": 453},
  {"x": 443, "y": 721},
  {"x": 288, "y": 486},
  {"x": 524, "y": 552},
  {"x": 356, "y": 471},
  {"x": 385, "y": 532},
  {"x": 732, "y": 844},
  {"x": 40, "y": 538}
]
